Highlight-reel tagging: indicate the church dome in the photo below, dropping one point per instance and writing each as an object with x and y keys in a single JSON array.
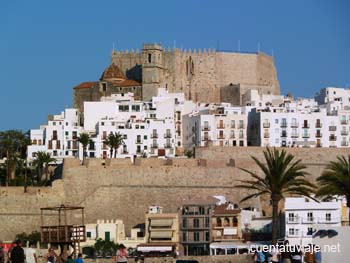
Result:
[{"x": 113, "y": 73}]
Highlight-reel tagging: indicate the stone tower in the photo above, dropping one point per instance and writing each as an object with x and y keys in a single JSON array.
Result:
[{"x": 152, "y": 70}]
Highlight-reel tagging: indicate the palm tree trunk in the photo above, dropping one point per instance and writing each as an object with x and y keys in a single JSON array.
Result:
[
  {"x": 111, "y": 153},
  {"x": 115, "y": 152},
  {"x": 274, "y": 220},
  {"x": 348, "y": 205}
]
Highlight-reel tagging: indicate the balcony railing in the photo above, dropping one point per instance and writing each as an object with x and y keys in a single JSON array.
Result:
[
  {"x": 154, "y": 145},
  {"x": 154, "y": 135},
  {"x": 221, "y": 136},
  {"x": 343, "y": 132},
  {"x": 332, "y": 128},
  {"x": 306, "y": 125},
  {"x": 325, "y": 220},
  {"x": 294, "y": 135},
  {"x": 266, "y": 135},
  {"x": 318, "y": 144},
  {"x": 266, "y": 125},
  {"x": 206, "y": 138},
  {"x": 284, "y": 125},
  {"x": 167, "y": 146},
  {"x": 306, "y": 135},
  {"x": 294, "y": 124},
  {"x": 233, "y": 126},
  {"x": 284, "y": 134},
  {"x": 220, "y": 126},
  {"x": 318, "y": 135},
  {"x": 293, "y": 220},
  {"x": 232, "y": 136},
  {"x": 309, "y": 220},
  {"x": 205, "y": 128},
  {"x": 333, "y": 138},
  {"x": 343, "y": 143},
  {"x": 344, "y": 122},
  {"x": 318, "y": 125},
  {"x": 167, "y": 135},
  {"x": 138, "y": 142}
]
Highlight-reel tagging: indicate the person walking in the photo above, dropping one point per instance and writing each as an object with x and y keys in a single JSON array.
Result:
[
  {"x": 30, "y": 254},
  {"x": 17, "y": 253},
  {"x": 121, "y": 256},
  {"x": 50, "y": 256},
  {"x": 79, "y": 258},
  {"x": 2, "y": 253}
]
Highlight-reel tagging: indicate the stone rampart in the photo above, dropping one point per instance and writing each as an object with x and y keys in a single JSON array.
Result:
[{"x": 120, "y": 189}]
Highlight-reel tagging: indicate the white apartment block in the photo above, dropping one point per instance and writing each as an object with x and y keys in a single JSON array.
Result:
[
  {"x": 218, "y": 126},
  {"x": 303, "y": 217},
  {"x": 58, "y": 137}
]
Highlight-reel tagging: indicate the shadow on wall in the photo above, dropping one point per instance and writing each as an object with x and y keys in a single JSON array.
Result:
[{"x": 135, "y": 73}]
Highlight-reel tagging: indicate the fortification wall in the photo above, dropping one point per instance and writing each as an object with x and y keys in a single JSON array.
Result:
[{"x": 119, "y": 189}]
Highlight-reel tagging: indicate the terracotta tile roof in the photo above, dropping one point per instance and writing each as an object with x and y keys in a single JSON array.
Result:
[
  {"x": 85, "y": 85},
  {"x": 126, "y": 83},
  {"x": 222, "y": 210},
  {"x": 113, "y": 72}
]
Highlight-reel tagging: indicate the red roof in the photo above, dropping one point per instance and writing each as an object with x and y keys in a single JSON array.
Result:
[{"x": 84, "y": 85}]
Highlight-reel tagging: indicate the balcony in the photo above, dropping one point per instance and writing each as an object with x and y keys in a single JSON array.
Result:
[
  {"x": 221, "y": 136},
  {"x": 167, "y": 135},
  {"x": 294, "y": 135},
  {"x": 332, "y": 128},
  {"x": 294, "y": 125},
  {"x": 325, "y": 220},
  {"x": 318, "y": 125},
  {"x": 318, "y": 144},
  {"x": 306, "y": 125},
  {"x": 167, "y": 145},
  {"x": 154, "y": 135},
  {"x": 284, "y": 125},
  {"x": 206, "y": 138},
  {"x": 293, "y": 220},
  {"x": 139, "y": 142},
  {"x": 318, "y": 135},
  {"x": 344, "y": 132},
  {"x": 154, "y": 145},
  {"x": 232, "y": 136},
  {"x": 344, "y": 122},
  {"x": 309, "y": 220},
  {"x": 266, "y": 135},
  {"x": 284, "y": 134},
  {"x": 266, "y": 125},
  {"x": 332, "y": 138},
  {"x": 306, "y": 135},
  {"x": 220, "y": 126},
  {"x": 206, "y": 128},
  {"x": 54, "y": 137},
  {"x": 295, "y": 234},
  {"x": 344, "y": 143}
]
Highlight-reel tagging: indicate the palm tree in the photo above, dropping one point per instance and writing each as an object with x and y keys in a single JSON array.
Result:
[
  {"x": 335, "y": 180},
  {"x": 281, "y": 176},
  {"x": 85, "y": 140},
  {"x": 114, "y": 141},
  {"x": 41, "y": 162}
]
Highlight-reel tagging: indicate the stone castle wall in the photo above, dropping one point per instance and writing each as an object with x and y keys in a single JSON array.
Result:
[
  {"x": 118, "y": 189},
  {"x": 202, "y": 74}
]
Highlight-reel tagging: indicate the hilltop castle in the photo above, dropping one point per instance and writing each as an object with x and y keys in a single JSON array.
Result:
[{"x": 202, "y": 75}]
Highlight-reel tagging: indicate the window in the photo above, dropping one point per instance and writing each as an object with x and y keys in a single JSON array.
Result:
[
  {"x": 196, "y": 222},
  {"x": 107, "y": 236},
  {"x": 291, "y": 217},
  {"x": 66, "y": 133},
  {"x": 196, "y": 236},
  {"x": 206, "y": 222},
  {"x": 233, "y": 124},
  {"x": 184, "y": 236},
  {"x": 276, "y": 121},
  {"x": 309, "y": 231},
  {"x": 88, "y": 234},
  {"x": 149, "y": 57},
  {"x": 310, "y": 216},
  {"x": 124, "y": 108},
  {"x": 104, "y": 87},
  {"x": 291, "y": 231},
  {"x": 328, "y": 217},
  {"x": 241, "y": 124},
  {"x": 206, "y": 235},
  {"x": 241, "y": 143},
  {"x": 135, "y": 108},
  {"x": 145, "y": 137},
  {"x": 184, "y": 222}
]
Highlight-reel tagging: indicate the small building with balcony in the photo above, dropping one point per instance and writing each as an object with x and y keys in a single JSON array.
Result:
[{"x": 303, "y": 216}]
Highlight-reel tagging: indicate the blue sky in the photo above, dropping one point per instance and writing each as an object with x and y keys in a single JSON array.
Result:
[{"x": 47, "y": 47}]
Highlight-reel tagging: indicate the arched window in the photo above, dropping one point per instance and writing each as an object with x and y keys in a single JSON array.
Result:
[
  {"x": 218, "y": 221},
  {"x": 235, "y": 221},
  {"x": 227, "y": 221}
]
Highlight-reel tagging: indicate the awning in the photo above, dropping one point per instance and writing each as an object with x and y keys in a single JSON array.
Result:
[
  {"x": 162, "y": 222},
  {"x": 155, "y": 248},
  {"x": 161, "y": 234}
]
